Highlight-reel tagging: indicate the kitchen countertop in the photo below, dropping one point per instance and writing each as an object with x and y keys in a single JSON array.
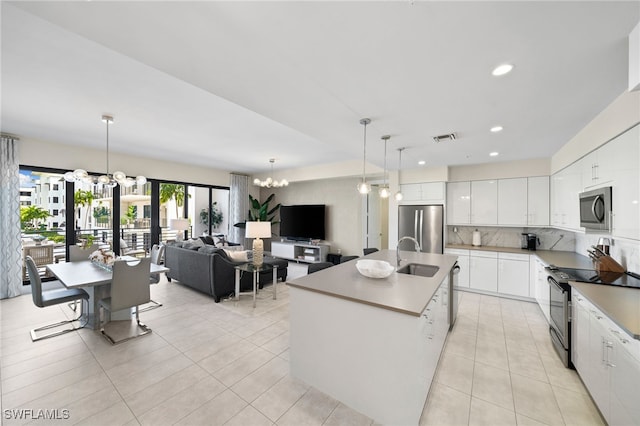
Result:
[
  {"x": 408, "y": 294},
  {"x": 621, "y": 304},
  {"x": 566, "y": 259}
]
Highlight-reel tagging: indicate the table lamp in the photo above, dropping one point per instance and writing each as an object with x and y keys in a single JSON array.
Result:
[
  {"x": 179, "y": 225},
  {"x": 258, "y": 230}
]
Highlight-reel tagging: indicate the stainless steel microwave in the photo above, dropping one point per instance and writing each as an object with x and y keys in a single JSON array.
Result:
[{"x": 595, "y": 210}]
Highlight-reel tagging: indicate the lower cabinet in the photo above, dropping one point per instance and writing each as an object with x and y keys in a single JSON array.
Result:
[
  {"x": 483, "y": 270},
  {"x": 463, "y": 263},
  {"x": 608, "y": 361},
  {"x": 541, "y": 288},
  {"x": 513, "y": 274}
]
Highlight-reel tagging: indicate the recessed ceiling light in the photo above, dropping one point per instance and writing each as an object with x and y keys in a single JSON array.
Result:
[
  {"x": 496, "y": 129},
  {"x": 422, "y": 162},
  {"x": 494, "y": 154},
  {"x": 502, "y": 69}
]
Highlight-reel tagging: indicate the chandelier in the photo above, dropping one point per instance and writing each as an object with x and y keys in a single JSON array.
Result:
[
  {"x": 363, "y": 187},
  {"x": 269, "y": 182},
  {"x": 110, "y": 181}
]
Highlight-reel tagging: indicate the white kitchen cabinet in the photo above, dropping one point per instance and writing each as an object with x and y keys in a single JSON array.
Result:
[
  {"x": 626, "y": 184},
  {"x": 463, "y": 263},
  {"x": 541, "y": 293},
  {"x": 484, "y": 202},
  {"x": 513, "y": 274},
  {"x": 423, "y": 192},
  {"x": 538, "y": 201},
  {"x": 566, "y": 185},
  {"x": 458, "y": 203},
  {"x": 483, "y": 270},
  {"x": 598, "y": 167},
  {"x": 512, "y": 202},
  {"x": 579, "y": 331},
  {"x": 608, "y": 361}
]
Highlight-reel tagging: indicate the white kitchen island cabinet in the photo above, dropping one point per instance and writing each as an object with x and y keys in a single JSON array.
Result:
[{"x": 372, "y": 344}]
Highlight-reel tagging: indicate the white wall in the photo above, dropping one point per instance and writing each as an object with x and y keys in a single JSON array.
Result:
[
  {"x": 344, "y": 207},
  {"x": 620, "y": 115},
  {"x": 67, "y": 157}
]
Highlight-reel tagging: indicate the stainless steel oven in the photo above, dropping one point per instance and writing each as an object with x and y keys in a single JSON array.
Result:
[{"x": 560, "y": 317}]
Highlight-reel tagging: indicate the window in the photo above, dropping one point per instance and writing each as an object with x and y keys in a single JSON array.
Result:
[
  {"x": 55, "y": 212},
  {"x": 55, "y": 187},
  {"x": 56, "y": 200},
  {"x": 54, "y": 224}
]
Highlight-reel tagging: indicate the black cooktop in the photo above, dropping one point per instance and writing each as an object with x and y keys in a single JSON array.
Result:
[{"x": 621, "y": 279}]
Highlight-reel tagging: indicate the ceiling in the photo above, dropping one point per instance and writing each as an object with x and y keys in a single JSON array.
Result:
[{"x": 232, "y": 84}]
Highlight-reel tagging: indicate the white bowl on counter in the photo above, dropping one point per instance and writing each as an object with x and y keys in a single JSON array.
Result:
[{"x": 374, "y": 268}]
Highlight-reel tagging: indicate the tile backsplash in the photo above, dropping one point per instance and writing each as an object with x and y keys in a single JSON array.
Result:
[
  {"x": 625, "y": 252},
  {"x": 550, "y": 239}
]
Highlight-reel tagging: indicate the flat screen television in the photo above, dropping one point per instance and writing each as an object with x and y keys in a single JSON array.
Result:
[{"x": 302, "y": 222}]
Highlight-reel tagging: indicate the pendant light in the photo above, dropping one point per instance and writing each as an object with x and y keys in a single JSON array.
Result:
[
  {"x": 81, "y": 175},
  {"x": 399, "y": 195},
  {"x": 270, "y": 182},
  {"x": 363, "y": 187},
  {"x": 383, "y": 191}
]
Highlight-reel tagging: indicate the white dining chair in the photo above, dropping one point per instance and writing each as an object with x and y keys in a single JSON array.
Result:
[
  {"x": 129, "y": 288},
  {"x": 43, "y": 299},
  {"x": 157, "y": 256}
]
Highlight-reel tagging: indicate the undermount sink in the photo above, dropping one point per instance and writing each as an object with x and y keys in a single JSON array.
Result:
[{"x": 419, "y": 269}]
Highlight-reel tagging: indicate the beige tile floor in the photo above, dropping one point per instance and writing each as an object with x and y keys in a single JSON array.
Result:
[{"x": 227, "y": 363}]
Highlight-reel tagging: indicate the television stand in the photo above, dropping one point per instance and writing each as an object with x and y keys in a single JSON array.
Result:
[{"x": 300, "y": 251}]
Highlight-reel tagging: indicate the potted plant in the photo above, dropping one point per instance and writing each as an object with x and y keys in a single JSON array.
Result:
[{"x": 212, "y": 216}]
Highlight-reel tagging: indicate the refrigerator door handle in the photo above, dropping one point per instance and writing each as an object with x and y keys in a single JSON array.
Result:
[
  {"x": 415, "y": 224},
  {"x": 421, "y": 223}
]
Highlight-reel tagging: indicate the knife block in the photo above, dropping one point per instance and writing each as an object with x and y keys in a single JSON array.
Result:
[{"x": 608, "y": 264}]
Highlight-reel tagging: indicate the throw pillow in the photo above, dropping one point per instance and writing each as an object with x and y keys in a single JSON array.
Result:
[{"x": 237, "y": 256}]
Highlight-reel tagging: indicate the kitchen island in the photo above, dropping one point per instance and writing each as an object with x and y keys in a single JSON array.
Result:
[{"x": 372, "y": 344}]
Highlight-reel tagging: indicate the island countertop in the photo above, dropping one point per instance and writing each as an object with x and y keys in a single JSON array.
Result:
[{"x": 402, "y": 293}]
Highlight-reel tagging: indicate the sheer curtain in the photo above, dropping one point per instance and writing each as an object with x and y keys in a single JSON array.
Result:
[
  {"x": 238, "y": 206},
  {"x": 10, "y": 253}
]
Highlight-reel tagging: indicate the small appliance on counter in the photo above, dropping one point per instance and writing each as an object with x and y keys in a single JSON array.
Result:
[
  {"x": 529, "y": 241},
  {"x": 477, "y": 239}
]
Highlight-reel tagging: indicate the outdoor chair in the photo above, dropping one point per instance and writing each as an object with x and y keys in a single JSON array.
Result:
[
  {"x": 42, "y": 299},
  {"x": 129, "y": 288},
  {"x": 78, "y": 254}
]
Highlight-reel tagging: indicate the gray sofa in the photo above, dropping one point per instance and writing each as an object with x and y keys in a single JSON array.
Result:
[{"x": 208, "y": 269}]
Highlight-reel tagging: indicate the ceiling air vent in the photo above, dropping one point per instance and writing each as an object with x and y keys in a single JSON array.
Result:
[{"x": 447, "y": 137}]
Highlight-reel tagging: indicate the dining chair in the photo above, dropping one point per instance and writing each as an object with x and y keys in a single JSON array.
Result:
[
  {"x": 129, "y": 288},
  {"x": 318, "y": 266},
  {"x": 125, "y": 250},
  {"x": 344, "y": 259},
  {"x": 79, "y": 254},
  {"x": 42, "y": 299},
  {"x": 369, "y": 250},
  {"x": 157, "y": 256}
]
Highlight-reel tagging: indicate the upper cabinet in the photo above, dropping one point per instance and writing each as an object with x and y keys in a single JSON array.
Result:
[
  {"x": 459, "y": 203},
  {"x": 422, "y": 192},
  {"x": 505, "y": 202},
  {"x": 484, "y": 202},
  {"x": 626, "y": 184},
  {"x": 566, "y": 186}
]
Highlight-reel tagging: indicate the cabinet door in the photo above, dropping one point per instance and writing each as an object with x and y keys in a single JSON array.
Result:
[
  {"x": 512, "y": 201},
  {"x": 463, "y": 263},
  {"x": 542, "y": 290},
  {"x": 432, "y": 191},
  {"x": 513, "y": 277},
  {"x": 458, "y": 203},
  {"x": 625, "y": 154},
  {"x": 538, "y": 201},
  {"x": 484, "y": 202},
  {"x": 597, "y": 380},
  {"x": 555, "y": 199},
  {"x": 411, "y": 192},
  {"x": 625, "y": 377},
  {"x": 580, "y": 334},
  {"x": 483, "y": 273},
  {"x": 588, "y": 170}
]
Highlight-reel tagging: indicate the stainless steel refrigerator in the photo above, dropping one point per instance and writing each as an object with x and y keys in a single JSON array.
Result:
[{"x": 425, "y": 224}]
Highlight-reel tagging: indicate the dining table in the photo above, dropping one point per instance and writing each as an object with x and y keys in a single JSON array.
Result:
[{"x": 96, "y": 280}]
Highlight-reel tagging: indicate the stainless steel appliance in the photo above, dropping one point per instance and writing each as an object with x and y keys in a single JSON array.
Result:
[
  {"x": 560, "y": 296},
  {"x": 425, "y": 224},
  {"x": 529, "y": 241},
  {"x": 595, "y": 210}
]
